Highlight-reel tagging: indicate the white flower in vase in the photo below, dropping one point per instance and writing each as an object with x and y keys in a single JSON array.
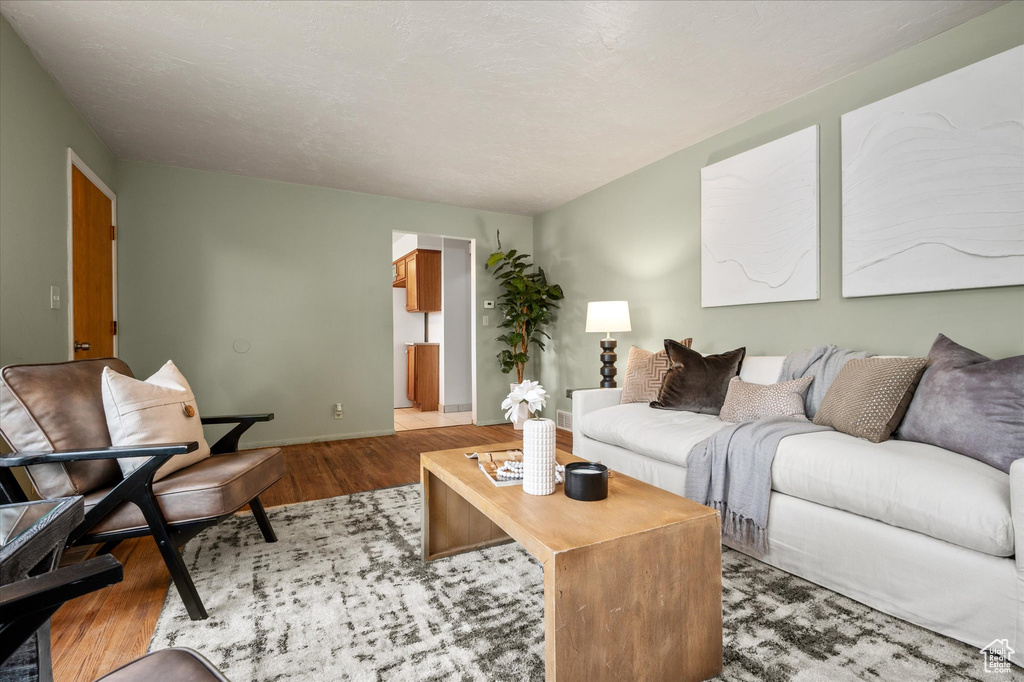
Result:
[{"x": 529, "y": 395}]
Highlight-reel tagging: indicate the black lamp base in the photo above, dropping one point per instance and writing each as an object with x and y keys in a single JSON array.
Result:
[{"x": 608, "y": 363}]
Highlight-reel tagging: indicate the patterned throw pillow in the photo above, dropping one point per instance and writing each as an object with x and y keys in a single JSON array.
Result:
[
  {"x": 644, "y": 373},
  {"x": 747, "y": 402},
  {"x": 870, "y": 396}
]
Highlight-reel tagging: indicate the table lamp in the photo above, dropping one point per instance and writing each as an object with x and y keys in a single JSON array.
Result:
[{"x": 608, "y": 317}]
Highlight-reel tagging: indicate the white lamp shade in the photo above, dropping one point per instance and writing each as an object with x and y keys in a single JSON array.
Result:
[{"x": 608, "y": 316}]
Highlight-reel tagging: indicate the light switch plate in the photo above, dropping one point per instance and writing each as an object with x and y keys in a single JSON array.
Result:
[
  {"x": 488, "y": 304},
  {"x": 485, "y": 320},
  {"x": 54, "y": 298}
]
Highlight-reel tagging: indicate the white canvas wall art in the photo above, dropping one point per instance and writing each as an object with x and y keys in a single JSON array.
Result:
[
  {"x": 933, "y": 184},
  {"x": 759, "y": 224}
]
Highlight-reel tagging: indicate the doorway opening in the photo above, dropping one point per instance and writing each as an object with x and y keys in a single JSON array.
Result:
[{"x": 433, "y": 289}]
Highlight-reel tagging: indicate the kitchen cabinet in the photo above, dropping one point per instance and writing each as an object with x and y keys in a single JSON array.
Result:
[
  {"x": 423, "y": 366},
  {"x": 419, "y": 272},
  {"x": 398, "y": 273}
]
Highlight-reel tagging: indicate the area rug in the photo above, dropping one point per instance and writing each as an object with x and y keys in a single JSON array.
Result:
[{"x": 344, "y": 595}]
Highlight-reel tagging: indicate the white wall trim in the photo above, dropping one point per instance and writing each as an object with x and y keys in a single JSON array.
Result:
[
  {"x": 318, "y": 439},
  {"x": 69, "y": 300},
  {"x": 475, "y": 305},
  {"x": 473, "y": 312}
]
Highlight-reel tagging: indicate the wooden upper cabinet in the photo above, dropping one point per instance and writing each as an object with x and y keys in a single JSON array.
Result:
[
  {"x": 419, "y": 272},
  {"x": 398, "y": 272}
]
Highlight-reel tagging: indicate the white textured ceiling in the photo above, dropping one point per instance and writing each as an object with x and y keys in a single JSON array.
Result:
[{"x": 507, "y": 106}]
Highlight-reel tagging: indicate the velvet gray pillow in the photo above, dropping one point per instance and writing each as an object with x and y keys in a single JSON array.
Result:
[
  {"x": 970, "y": 404},
  {"x": 695, "y": 382}
]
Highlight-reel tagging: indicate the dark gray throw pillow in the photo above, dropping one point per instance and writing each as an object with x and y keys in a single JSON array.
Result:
[
  {"x": 970, "y": 404},
  {"x": 695, "y": 382}
]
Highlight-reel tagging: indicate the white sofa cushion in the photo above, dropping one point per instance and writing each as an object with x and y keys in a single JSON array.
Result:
[
  {"x": 911, "y": 485},
  {"x": 761, "y": 369},
  {"x": 666, "y": 435}
]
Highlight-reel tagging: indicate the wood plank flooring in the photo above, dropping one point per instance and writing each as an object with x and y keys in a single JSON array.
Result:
[{"x": 96, "y": 633}]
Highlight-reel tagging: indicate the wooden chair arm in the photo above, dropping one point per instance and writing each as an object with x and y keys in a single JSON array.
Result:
[
  {"x": 53, "y": 588},
  {"x": 229, "y": 441},
  {"x": 20, "y": 459},
  {"x": 237, "y": 418}
]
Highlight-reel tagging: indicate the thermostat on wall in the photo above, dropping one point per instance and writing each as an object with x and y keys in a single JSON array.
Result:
[{"x": 488, "y": 304}]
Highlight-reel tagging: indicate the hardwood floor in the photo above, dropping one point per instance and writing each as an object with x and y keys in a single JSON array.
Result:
[{"x": 96, "y": 633}]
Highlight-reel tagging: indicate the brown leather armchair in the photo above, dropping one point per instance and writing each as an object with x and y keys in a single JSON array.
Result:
[{"x": 52, "y": 417}]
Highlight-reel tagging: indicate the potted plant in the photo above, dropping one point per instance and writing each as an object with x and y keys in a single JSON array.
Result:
[{"x": 527, "y": 304}]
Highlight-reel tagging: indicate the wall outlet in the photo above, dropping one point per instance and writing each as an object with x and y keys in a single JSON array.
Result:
[
  {"x": 339, "y": 410},
  {"x": 485, "y": 321},
  {"x": 54, "y": 298}
]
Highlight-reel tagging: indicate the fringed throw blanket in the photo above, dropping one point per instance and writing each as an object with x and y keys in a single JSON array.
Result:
[
  {"x": 824, "y": 362},
  {"x": 731, "y": 471}
]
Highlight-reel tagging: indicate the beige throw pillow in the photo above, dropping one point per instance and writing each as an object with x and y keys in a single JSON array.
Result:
[
  {"x": 746, "y": 402},
  {"x": 644, "y": 373},
  {"x": 870, "y": 396},
  {"x": 159, "y": 410}
]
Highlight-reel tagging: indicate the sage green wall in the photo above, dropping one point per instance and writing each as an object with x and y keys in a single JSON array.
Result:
[
  {"x": 302, "y": 273},
  {"x": 638, "y": 238},
  {"x": 37, "y": 125}
]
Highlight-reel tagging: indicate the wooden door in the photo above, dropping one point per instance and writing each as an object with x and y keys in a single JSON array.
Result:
[
  {"x": 410, "y": 381},
  {"x": 92, "y": 268},
  {"x": 411, "y": 285}
]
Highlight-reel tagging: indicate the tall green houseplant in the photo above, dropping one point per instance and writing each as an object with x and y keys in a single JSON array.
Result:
[{"x": 527, "y": 304}]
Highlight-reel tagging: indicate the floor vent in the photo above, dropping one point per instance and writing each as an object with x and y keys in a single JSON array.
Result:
[{"x": 564, "y": 420}]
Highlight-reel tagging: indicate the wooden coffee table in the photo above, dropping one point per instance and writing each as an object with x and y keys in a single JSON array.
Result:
[{"x": 632, "y": 583}]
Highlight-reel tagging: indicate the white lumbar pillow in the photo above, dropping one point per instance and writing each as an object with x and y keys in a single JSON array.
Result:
[{"x": 161, "y": 409}]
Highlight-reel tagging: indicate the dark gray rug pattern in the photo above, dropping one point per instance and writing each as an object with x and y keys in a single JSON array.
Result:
[{"x": 344, "y": 595}]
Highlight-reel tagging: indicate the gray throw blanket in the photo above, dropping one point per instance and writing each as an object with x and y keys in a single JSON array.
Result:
[
  {"x": 731, "y": 471},
  {"x": 824, "y": 362}
]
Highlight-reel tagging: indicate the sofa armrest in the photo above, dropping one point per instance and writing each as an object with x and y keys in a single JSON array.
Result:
[
  {"x": 1017, "y": 513},
  {"x": 1017, "y": 517},
  {"x": 590, "y": 400}
]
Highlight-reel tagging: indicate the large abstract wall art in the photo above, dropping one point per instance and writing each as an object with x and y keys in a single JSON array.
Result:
[
  {"x": 933, "y": 184},
  {"x": 759, "y": 224}
]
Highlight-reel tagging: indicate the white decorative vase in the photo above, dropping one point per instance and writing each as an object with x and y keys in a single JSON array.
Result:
[{"x": 539, "y": 457}]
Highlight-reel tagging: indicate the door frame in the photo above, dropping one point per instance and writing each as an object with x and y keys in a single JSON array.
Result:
[
  {"x": 75, "y": 161},
  {"x": 474, "y": 313}
]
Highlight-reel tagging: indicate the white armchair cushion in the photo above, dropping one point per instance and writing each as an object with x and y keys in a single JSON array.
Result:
[{"x": 161, "y": 409}]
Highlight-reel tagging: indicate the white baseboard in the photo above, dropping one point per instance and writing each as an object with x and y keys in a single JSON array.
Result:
[
  {"x": 490, "y": 422},
  {"x": 316, "y": 439}
]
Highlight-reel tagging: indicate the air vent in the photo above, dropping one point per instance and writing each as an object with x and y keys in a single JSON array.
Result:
[{"x": 563, "y": 420}]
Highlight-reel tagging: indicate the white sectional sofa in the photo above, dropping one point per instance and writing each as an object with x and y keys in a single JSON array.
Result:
[{"x": 910, "y": 529}]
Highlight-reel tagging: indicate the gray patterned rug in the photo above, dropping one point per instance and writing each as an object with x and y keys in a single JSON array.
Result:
[{"x": 344, "y": 596}]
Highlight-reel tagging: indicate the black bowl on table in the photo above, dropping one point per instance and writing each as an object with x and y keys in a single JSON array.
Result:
[{"x": 586, "y": 481}]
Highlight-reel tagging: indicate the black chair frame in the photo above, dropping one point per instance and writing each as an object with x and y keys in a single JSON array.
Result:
[
  {"x": 137, "y": 488},
  {"x": 27, "y": 604}
]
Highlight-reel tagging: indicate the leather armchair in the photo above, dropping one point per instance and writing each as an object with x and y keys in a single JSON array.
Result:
[{"x": 52, "y": 418}]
